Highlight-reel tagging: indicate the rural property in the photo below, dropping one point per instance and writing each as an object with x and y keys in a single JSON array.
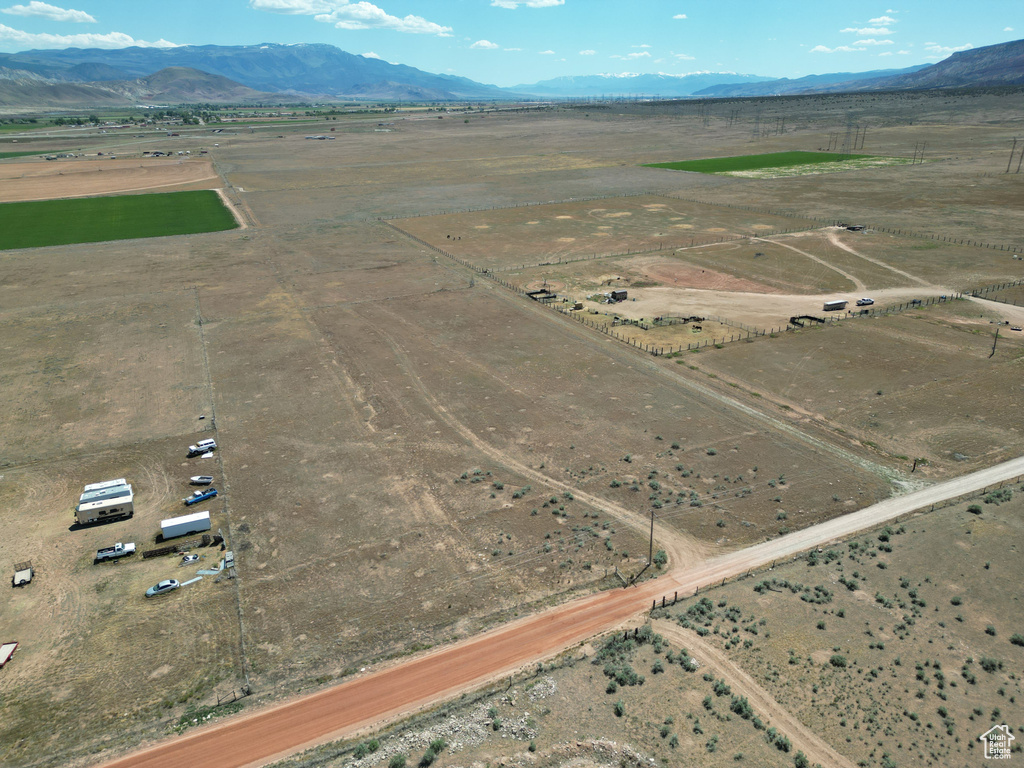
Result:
[{"x": 521, "y": 366}]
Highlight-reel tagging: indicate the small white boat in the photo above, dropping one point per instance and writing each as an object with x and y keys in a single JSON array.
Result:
[{"x": 201, "y": 479}]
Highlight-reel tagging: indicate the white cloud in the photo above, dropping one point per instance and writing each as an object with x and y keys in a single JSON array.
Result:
[
  {"x": 882, "y": 21},
  {"x": 513, "y": 49},
  {"x": 547, "y": 53},
  {"x": 485, "y": 44},
  {"x": 630, "y": 56},
  {"x": 885, "y": 53},
  {"x": 683, "y": 56},
  {"x": 587, "y": 52},
  {"x": 369, "y": 55},
  {"x": 867, "y": 31},
  {"x": 942, "y": 51},
  {"x": 1007, "y": 29},
  {"x": 837, "y": 49},
  {"x": 902, "y": 53},
  {"x": 513, "y": 4},
  {"x": 359, "y": 15},
  {"x": 872, "y": 41},
  {"x": 108, "y": 40},
  {"x": 51, "y": 12},
  {"x": 642, "y": 45},
  {"x": 679, "y": 16}
]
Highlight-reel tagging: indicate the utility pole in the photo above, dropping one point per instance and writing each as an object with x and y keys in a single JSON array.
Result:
[
  {"x": 996, "y": 339},
  {"x": 650, "y": 551},
  {"x": 1012, "y": 150}
]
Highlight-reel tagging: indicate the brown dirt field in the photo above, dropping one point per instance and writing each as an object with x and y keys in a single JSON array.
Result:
[
  {"x": 102, "y": 176},
  {"x": 499, "y": 239},
  {"x": 357, "y": 375},
  {"x": 926, "y": 364}
]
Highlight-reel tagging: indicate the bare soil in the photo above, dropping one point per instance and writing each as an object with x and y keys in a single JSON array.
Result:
[{"x": 359, "y": 382}]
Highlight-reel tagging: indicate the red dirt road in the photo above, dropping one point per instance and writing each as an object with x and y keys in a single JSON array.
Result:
[{"x": 344, "y": 709}]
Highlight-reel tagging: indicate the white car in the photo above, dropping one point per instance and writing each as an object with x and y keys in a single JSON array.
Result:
[
  {"x": 189, "y": 559},
  {"x": 167, "y": 585}
]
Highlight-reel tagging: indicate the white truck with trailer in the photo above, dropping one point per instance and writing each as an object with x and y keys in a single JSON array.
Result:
[
  {"x": 114, "y": 552},
  {"x": 184, "y": 525}
]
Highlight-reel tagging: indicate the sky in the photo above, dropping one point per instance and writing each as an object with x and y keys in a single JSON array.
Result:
[{"x": 512, "y": 42}]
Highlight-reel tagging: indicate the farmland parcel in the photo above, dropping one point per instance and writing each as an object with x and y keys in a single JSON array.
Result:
[
  {"x": 96, "y": 219},
  {"x": 411, "y": 451}
]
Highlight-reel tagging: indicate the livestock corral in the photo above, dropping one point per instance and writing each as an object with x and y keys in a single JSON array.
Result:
[{"x": 412, "y": 450}]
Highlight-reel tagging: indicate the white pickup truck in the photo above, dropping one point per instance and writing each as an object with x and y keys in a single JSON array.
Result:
[{"x": 112, "y": 553}]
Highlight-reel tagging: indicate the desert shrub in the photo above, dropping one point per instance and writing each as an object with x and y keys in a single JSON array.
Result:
[
  {"x": 620, "y": 708},
  {"x": 398, "y": 761},
  {"x": 1017, "y": 639},
  {"x": 989, "y": 664},
  {"x": 838, "y": 661}
]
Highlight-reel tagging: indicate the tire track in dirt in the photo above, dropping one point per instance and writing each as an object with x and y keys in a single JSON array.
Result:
[
  {"x": 857, "y": 284},
  {"x": 679, "y": 547},
  {"x": 631, "y": 357},
  {"x": 804, "y": 739},
  {"x": 833, "y": 238}
]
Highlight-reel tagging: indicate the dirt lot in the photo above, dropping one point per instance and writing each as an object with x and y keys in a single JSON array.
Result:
[
  {"x": 88, "y": 176},
  {"x": 390, "y": 420}
]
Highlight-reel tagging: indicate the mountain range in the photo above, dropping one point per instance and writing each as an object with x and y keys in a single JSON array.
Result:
[{"x": 275, "y": 72}]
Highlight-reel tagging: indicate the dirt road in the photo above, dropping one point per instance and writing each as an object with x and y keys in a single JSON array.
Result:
[
  {"x": 380, "y": 696},
  {"x": 804, "y": 739}
]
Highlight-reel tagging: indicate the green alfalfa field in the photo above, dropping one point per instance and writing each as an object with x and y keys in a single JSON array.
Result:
[{"x": 96, "y": 219}]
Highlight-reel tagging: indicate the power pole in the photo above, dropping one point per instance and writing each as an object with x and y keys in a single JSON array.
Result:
[
  {"x": 650, "y": 552},
  {"x": 1012, "y": 150},
  {"x": 996, "y": 339}
]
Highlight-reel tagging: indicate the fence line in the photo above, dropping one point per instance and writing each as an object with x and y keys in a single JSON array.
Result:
[
  {"x": 668, "y": 602},
  {"x": 751, "y": 332}
]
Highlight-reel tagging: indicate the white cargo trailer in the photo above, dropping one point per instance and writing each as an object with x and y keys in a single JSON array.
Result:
[
  {"x": 832, "y": 306},
  {"x": 186, "y": 524}
]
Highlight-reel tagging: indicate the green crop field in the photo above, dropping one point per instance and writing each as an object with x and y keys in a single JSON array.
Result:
[
  {"x": 6, "y": 155},
  {"x": 756, "y": 162},
  {"x": 95, "y": 219}
]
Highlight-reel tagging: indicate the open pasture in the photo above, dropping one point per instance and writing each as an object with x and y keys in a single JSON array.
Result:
[
  {"x": 85, "y": 177},
  {"x": 908, "y": 384},
  {"x": 508, "y": 238},
  {"x": 363, "y": 386}
]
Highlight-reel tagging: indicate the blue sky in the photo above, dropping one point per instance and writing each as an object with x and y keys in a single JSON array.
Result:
[{"x": 508, "y": 42}]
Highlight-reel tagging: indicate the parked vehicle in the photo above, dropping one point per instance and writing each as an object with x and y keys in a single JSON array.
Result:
[
  {"x": 831, "y": 306},
  {"x": 167, "y": 585},
  {"x": 23, "y": 573},
  {"x": 865, "y": 302},
  {"x": 201, "y": 479},
  {"x": 114, "y": 552},
  {"x": 173, "y": 527},
  {"x": 203, "y": 446},
  {"x": 198, "y": 496},
  {"x": 189, "y": 559}
]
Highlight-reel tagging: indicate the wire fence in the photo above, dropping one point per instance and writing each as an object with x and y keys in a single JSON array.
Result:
[{"x": 566, "y": 307}]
